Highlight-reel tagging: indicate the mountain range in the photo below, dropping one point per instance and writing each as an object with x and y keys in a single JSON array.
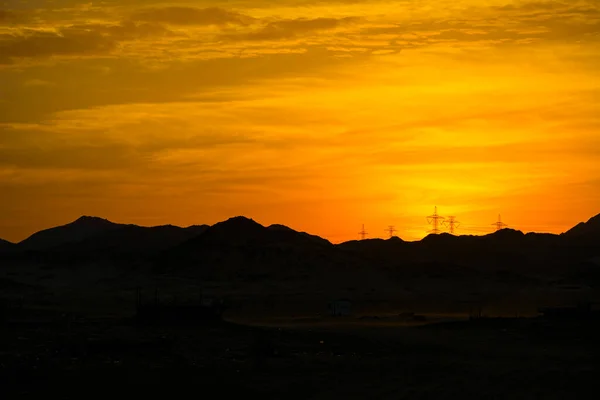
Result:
[
  {"x": 6, "y": 245},
  {"x": 241, "y": 248},
  {"x": 93, "y": 237}
]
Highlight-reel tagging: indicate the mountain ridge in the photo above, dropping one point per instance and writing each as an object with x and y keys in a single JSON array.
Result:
[
  {"x": 75, "y": 231},
  {"x": 88, "y": 233},
  {"x": 95, "y": 234},
  {"x": 6, "y": 245},
  {"x": 241, "y": 249},
  {"x": 592, "y": 226}
]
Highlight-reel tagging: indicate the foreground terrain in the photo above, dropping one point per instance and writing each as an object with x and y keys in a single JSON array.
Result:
[{"x": 73, "y": 358}]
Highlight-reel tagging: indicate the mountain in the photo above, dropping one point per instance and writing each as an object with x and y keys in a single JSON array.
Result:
[
  {"x": 247, "y": 232},
  {"x": 241, "y": 248},
  {"x": 240, "y": 254},
  {"x": 6, "y": 245},
  {"x": 289, "y": 231},
  {"x": 132, "y": 240},
  {"x": 506, "y": 247},
  {"x": 588, "y": 230},
  {"x": 93, "y": 237},
  {"x": 377, "y": 250},
  {"x": 76, "y": 231}
]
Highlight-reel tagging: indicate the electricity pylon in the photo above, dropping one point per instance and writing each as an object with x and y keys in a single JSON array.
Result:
[
  {"x": 452, "y": 224},
  {"x": 391, "y": 230},
  {"x": 499, "y": 224},
  {"x": 363, "y": 234},
  {"x": 435, "y": 220}
]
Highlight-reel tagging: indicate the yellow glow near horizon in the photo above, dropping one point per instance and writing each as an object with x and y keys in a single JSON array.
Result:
[{"x": 318, "y": 115}]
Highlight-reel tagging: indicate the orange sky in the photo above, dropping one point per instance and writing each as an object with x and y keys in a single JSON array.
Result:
[{"x": 321, "y": 115}]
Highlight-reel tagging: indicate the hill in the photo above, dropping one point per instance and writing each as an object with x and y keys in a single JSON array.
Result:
[
  {"x": 283, "y": 229},
  {"x": 243, "y": 258},
  {"x": 242, "y": 231},
  {"x": 585, "y": 233},
  {"x": 242, "y": 249},
  {"x": 131, "y": 240},
  {"x": 93, "y": 238},
  {"x": 6, "y": 245},
  {"x": 506, "y": 255},
  {"x": 76, "y": 231}
]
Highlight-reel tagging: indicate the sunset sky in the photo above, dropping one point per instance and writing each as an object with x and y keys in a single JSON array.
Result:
[{"x": 320, "y": 115}]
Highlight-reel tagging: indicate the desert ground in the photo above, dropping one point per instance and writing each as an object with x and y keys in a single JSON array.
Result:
[{"x": 277, "y": 349}]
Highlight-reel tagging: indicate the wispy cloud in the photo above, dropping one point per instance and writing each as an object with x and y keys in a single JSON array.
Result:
[
  {"x": 285, "y": 29},
  {"x": 192, "y": 16}
]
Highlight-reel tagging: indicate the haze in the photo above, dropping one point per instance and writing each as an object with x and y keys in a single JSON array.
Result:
[{"x": 318, "y": 115}]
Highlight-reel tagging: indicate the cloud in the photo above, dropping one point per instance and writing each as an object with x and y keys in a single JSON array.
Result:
[
  {"x": 11, "y": 17},
  {"x": 290, "y": 28},
  {"x": 538, "y": 7},
  {"x": 192, "y": 16},
  {"x": 125, "y": 85},
  {"x": 74, "y": 40},
  {"x": 43, "y": 44},
  {"x": 106, "y": 156}
]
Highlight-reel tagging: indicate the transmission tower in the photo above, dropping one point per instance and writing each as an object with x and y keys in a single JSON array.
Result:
[
  {"x": 452, "y": 224},
  {"x": 391, "y": 230},
  {"x": 435, "y": 221},
  {"x": 363, "y": 234},
  {"x": 499, "y": 224}
]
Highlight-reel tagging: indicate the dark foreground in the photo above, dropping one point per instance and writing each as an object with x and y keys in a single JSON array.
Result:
[{"x": 99, "y": 359}]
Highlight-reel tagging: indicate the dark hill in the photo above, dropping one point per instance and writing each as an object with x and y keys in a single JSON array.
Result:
[
  {"x": 132, "y": 240},
  {"x": 582, "y": 241},
  {"x": 507, "y": 248},
  {"x": 238, "y": 230},
  {"x": 241, "y": 248},
  {"x": 6, "y": 245},
  {"x": 76, "y": 231},
  {"x": 379, "y": 250},
  {"x": 592, "y": 227},
  {"x": 289, "y": 231},
  {"x": 242, "y": 231},
  {"x": 503, "y": 247}
]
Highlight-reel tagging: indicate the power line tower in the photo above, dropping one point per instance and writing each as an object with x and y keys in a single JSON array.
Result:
[
  {"x": 391, "y": 230},
  {"x": 435, "y": 220},
  {"x": 499, "y": 224},
  {"x": 452, "y": 224},
  {"x": 363, "y": 234}
]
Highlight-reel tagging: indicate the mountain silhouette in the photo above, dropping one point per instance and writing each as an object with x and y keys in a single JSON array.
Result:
[
  {"x": 6, "y": 245},
  {"x": 377, "y": 249},
  {"x": 92, "y": 237},
  {"x": 247, "y": 232},
  {"x": 241, "y": 248},
  {"x": 76, "y": 231},
  {"x": 284, "y": 230},
  {"x": 132, "y": 239},
  {"x": 506, "y": 246},
  {"x": 589, "y": 229},
  {"x": 238, "y": 230}
]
